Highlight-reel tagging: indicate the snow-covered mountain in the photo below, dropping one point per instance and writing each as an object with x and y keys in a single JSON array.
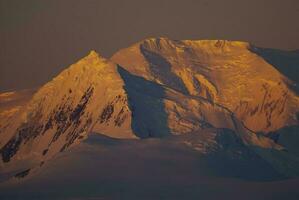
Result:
[
  {"x": 64, "y": 110},
  {"x": 228, "y": 73},
  {"x": 158, "y": 88}
]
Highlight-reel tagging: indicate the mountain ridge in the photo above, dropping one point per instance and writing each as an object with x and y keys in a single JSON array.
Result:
[{"x": 156, "y": 88}]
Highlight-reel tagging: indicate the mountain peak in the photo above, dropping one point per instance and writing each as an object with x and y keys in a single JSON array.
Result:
[
  {"x": 93, "y": 59},
  {"x": 93, "y": 53}
]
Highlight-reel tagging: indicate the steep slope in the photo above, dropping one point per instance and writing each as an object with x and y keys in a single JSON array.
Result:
[
  {"x": 158, "y": 111},
  {"x": 224, "y": 72},
  {"x": 64, "y": 110}
]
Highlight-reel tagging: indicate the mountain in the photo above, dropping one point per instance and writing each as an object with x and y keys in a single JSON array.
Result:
[
  {"x": 221, "y": 94},
  {"x": 64, "y": 110},
  {"x": 228, "y": 73}
]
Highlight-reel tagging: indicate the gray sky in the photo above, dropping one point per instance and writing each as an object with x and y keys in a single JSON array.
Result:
[{"x": 40, "y": 38}]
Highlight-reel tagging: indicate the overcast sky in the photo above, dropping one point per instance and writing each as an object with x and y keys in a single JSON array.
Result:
[{"x": 40, "y": 38}]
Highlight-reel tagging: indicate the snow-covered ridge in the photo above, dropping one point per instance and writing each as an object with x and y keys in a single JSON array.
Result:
[{"x": 155, "y": 88}]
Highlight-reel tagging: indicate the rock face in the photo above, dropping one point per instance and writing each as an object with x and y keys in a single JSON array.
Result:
[{"x": 156, "y": 88}]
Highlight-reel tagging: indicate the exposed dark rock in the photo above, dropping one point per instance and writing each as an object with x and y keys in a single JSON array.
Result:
[
  {"x": 107, "y": 113},
  {"x": 45, "y": 151},
  {"x": 23, "y": 173},
  {"x": 23, "y": 135},
  {"x": 11, "y": 148},
  {"x": 79, "y": 110},
  {"x": 75, "y": 133},
  {"x": 72, "y": 117},
  {"x": 61, "y": 116},
  {"x": 48, "y": 125},
  {"x": 121, "y": 117}
]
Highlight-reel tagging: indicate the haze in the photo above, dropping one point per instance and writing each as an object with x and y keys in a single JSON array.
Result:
[{"x": 40, "y": 38}]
